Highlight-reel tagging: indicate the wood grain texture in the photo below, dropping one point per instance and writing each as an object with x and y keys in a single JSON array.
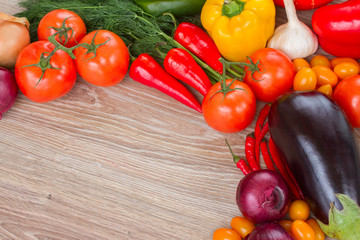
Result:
[{"x": 125, "y": 162}]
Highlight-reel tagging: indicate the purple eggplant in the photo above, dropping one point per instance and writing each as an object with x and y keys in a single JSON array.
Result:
[{"x": 320, "y": 148}]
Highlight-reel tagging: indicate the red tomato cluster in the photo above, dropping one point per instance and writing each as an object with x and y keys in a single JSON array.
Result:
[{"x": 101, "y": 58}]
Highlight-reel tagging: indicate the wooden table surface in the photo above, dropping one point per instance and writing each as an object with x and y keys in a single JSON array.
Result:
[{"x": 125, "y": 162}]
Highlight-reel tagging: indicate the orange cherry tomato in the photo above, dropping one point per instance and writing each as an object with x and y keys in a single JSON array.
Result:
[
  {"x": 286, "y": 224},
  {"x": 319, "y": 234},
  {"x": 320, "y": 60},
  {"x": 242, "y": 225},
  {"x": 336, "y": 61},
  {"x": 299, "y": 210},
  {"x": 304, "y": 80},
  {"x": 326, "y": 89},
  {"x": 346, "y": 69},
  {"x": 226, "y": 234},
  {"x": 302, "y": 231},
  {"x": 300, "y": 63},
  {"x": 325, "y": 75}
]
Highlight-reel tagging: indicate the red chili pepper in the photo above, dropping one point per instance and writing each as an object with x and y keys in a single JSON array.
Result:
[
  {"x": 250, "y": 152},
  {"x": 283, "y": 171},
  {"x": 197, "y": 41},
  {"x": 264, "y": 112},
  {"x": 241, "y": 164},
  {"x": 258, "y": 140},
  {"x": 147, "y": 71},
  {"x": 337, "y": 27},
  {"x": 266, "y": 155},
  {"x": 181, "y": 65}
]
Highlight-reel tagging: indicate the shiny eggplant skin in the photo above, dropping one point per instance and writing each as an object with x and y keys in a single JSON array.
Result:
[{"x": 319, "y": 145}]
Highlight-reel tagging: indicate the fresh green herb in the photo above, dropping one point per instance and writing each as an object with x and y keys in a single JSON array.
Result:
[{"x": 139, "y": 30}]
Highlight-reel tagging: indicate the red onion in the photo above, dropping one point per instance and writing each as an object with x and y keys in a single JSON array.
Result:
[
  {"x": 263, "y": 196},
  {"x": 269, "y": 231},
  {"x": 8, "y": 90}
]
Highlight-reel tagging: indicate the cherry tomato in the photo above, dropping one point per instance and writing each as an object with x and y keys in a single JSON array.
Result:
[
  {"x": 300, "y": 63},
  {"x": 53, "y": 21},
  {"x": 305, "y": 80},
  {"x": 242, "y": 225},
  {"x": 325, "y": 75},
  {"x": 109, "y": 65},
  {"x": 231, "y": 112},
  {"x": 346, "y": 69},
  {"x": 299, "y": 210},
  {"x": 319, "y": 234},
  {"x": 320, "y": 60},
  {"x": 275, "y": 76},
  {"x": 336, "y": 61},
  {"x": 347, "y": 95},
  {"x": 226, "y": 234},
  {"x": 302, "y": 231},
  {"x": 326, "y": 89},
  {"x": 286, "y": 224},
  {"x": 55, "y": 83}
]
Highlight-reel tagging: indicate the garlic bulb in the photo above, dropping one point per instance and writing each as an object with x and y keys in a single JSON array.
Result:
[{"x": 294, "y": 38}]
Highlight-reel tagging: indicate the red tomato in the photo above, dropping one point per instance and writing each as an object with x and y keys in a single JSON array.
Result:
[
  {"x": 53, "y": 21},
  {"x": 108, "y": 65},
  {"x": 55, "y": 83},
  {"x": 231, "y": 112},
  {"x": 275, "y": 76},
  {"x": 347, "y": 95}
]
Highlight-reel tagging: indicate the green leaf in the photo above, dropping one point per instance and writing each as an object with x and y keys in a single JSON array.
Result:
[{"x": 343, "y": 224}]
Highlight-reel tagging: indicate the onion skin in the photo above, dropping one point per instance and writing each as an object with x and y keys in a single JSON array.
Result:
[
  {"x": 263, "y": 196},
  {"x": 269, "y": 231},
  {"x": 14, "y": 36},
  {"x": 8, "y": 90}
]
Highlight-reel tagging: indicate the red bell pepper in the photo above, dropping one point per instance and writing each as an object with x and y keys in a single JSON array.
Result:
[
  {"x": 147, "y": 71},
  {"x": 304, "y": 4},
  {"x": 338, "y": 28},
  {"x": 197, "y": 41},
  {"x": 180, "y": 64}
]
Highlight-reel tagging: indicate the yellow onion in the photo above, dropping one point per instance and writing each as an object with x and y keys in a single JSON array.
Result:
[{"x": 14, "y": 36}]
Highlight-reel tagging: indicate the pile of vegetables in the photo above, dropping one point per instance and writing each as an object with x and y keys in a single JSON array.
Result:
[{"x": 232, "y": 55}]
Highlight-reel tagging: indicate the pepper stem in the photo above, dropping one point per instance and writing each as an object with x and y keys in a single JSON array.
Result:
[{"x": 232, "y": 8}]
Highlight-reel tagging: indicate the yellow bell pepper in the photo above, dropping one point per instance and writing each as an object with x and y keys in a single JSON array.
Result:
[{"x": 239, "y": 27}]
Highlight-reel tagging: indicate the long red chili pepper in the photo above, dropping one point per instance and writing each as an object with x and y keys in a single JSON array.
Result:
[
  {"x": 250, "y": 152},
  {"x": 258, "y": 140},
  {"x": 147, "y": 71},
  {"x": 181, "y": 65},
  {"x": 283, "y": 171},
  {"x": 240, "y": 163},
  {"x": 197, "y": 41},
  {"x": 266, "y": 155},
  {"x": 264, "y": 112}
]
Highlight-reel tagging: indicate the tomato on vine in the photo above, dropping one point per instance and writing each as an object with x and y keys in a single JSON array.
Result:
[
  {"x": 47, "y": 79},
  {"x": 70, "y": 26},
  {"x": 229, "y": 106},
  {"x": 105, "y": 64}
]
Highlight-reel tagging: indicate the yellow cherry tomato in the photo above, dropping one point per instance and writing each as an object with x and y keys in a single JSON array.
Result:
[
  {"x": 304, "y": 80},
  {"x": 346, "y": 69},
  {"x": 302, "y": 231},
  {"x": 242, "y": 225},
  {"x": 300, "y": 63},
  {"x": 325, "y": 75},
  {"x": 286, "y": 224},
  {"x": 299, "y": 210},
  {"x": 319, "y": 234},
  {"x": 336, "y": 61},
  {"x": 326, "y": 89},
  {"x": 226, "y": 234},
  {"x": 320, "y": 60}
]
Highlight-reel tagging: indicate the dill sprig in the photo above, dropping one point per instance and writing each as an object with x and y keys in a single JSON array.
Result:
[{"x": 139, "y": 30}]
